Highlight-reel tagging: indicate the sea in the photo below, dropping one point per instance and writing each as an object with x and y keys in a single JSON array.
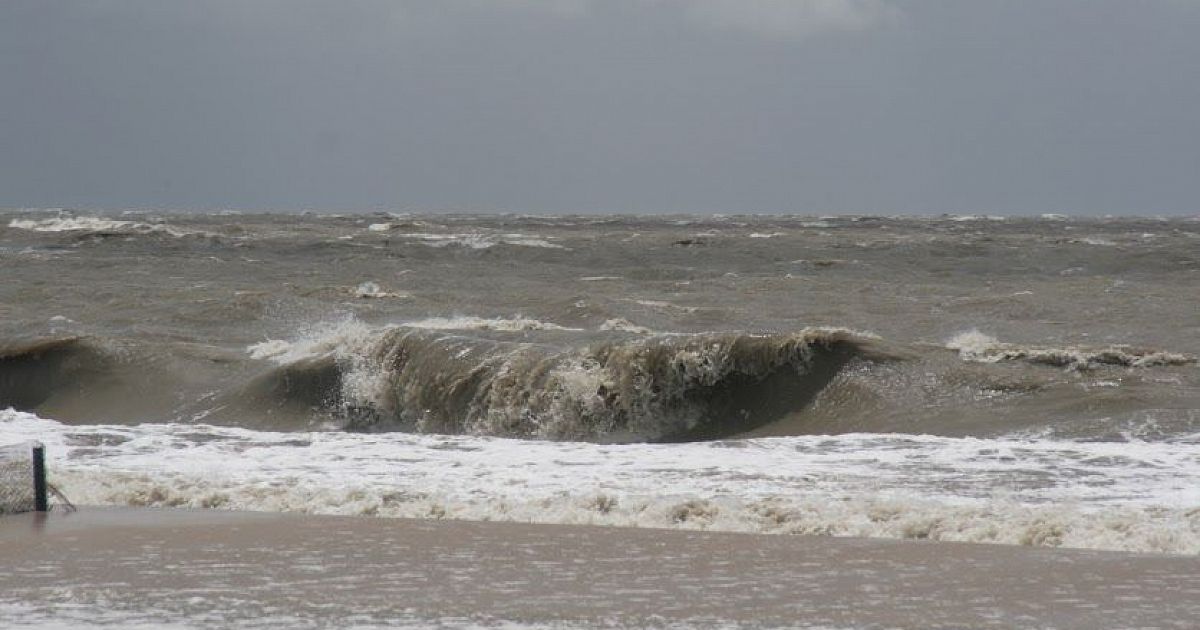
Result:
[{"x": 1015, "y": 380}]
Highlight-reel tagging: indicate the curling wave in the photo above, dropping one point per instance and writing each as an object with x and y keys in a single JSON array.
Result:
[
  {"x": 83, "y": 379},
  {"x": 683, "y": 387},
  {"x": 34, "y": 371}
]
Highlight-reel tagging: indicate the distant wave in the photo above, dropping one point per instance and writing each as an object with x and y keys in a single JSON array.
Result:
[
  {"x": 624, "y": 325},
  {"x": 98, "y": 226},
  {"x": 514, "y": 324},
  {"x": 372, "y": 289},
  {"x": 471, "y": 240},
  {"x": 978, "y": 347}
]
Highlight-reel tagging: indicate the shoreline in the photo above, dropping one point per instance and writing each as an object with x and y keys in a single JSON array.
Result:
[{"x": 206, "y": 567}]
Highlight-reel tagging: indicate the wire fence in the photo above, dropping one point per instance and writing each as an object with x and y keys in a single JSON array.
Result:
[{"x": 22, "y": 478}]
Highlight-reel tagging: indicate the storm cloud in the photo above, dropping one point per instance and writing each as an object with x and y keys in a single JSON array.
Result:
[{"x": 810, "y": 106}]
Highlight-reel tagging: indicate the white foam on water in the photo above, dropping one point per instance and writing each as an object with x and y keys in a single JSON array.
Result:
[
  {"x": 321, "y": 339},
  {"x": 96, "y": 224},
  {"x": 975, "y": 346},
  {"x": 663, "y": 304},
  {"x": 1138, "y": 496},
  {"x": 963, "y": 218},
  {"x": 972, "y": 343},
  {"x": 269, "y": 349},
  {"x": 513, "y": 324},
  {"x": 1095, "y": 240},
  {"x": 477, "y": 240},
  {"x": 372, "y": 289},
  {"x": 70, "y": 224},
  {"x": 624, "y": 325}
]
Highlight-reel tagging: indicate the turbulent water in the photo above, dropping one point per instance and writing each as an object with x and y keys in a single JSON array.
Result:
[{"x": 1030, "y": 381}]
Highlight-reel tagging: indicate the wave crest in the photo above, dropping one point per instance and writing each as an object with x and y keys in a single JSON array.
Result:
[
  {"x": 31, "y": 372},
  {"x": 98, "y": 226},
  {"x": 981, "y": 348},
  {"x": 678, "y": 387}
]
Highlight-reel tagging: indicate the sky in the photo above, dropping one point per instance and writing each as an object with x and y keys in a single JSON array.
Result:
[{"x": 1085, "y": 107}]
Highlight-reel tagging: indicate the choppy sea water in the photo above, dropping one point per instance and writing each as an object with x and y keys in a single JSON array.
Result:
[{"x": 1026, "y": 381}]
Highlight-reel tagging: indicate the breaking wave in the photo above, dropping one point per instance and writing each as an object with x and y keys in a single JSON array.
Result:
[
  {"x": 978, "y": 347},
  {"x": 514, "y": 324},
  {"x": 527, "y": 378},
  {"x": 680, "y": 387},
  {"x": 86, "y": 379},
  {"x": 97, "y": 226},
  {"x": 471, "y": 240},
  {"x": 624, "y": 325},
  {"x": 32, "y": 372}
]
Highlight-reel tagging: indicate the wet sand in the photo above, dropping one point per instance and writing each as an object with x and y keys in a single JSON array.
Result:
[{"x": 219, "y": 569}]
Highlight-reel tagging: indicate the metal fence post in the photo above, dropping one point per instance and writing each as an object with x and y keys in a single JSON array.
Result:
[{"x": 40, "y": 504}]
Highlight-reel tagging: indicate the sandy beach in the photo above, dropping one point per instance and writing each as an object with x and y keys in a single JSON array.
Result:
[{"x": 186, "y": 568}]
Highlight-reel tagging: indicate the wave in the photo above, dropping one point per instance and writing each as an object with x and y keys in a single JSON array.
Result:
[
  {"x": 624, "y": 325},
  {"x": 34, "y": 371},
  {"x": 473, "y": 240},
  {"x": 679, "y": 387},
  {"x": 99, "y": 226},
  {"x": 438, "y": 377},
  {"x": 981, "y": 348},
  {"x": 85, "y": 379},
  {"x": 372, "y": 289},
  {"x": 351, "y": 335},
  {"x": 528, "y": 378},
  {"x": 514, "y": 324}
]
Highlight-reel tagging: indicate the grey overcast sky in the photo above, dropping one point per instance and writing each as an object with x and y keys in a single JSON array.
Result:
[{"x": 808, "y": 106}]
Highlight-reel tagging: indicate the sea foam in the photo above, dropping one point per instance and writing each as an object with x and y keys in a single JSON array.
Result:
[
  {"x": 98, "y": 225},
  {"x": 982, "y": 348},
  {"x": 1029, "y": 492}
]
